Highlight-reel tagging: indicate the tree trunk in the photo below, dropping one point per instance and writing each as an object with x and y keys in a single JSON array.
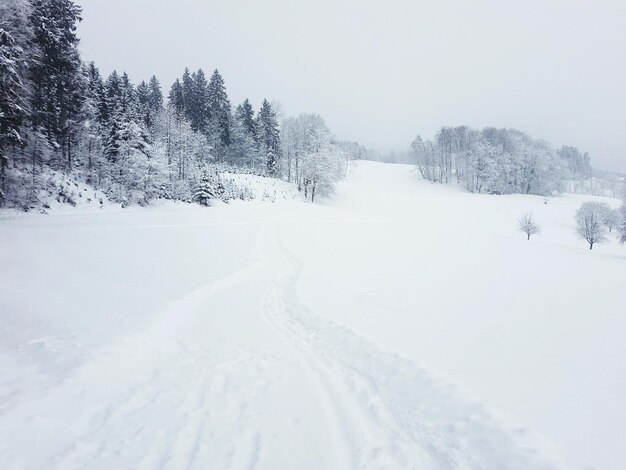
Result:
[{"x": 69, "y": 154}]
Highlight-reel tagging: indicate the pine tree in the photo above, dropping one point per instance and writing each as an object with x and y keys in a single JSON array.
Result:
[
  {"x": 175, "y": 98},
  {"x": 55, "y": 75},
  {"x": 95, "y": 92},
  {"x": 133, "y": 131},
  {"x": 243, "y": 149},
  {"x": 126, "y": 130},
  {"x": 128, "y": 102},
  {"x": 92, "y": 116},
  {"x": 155, "y": 95},
  {"x": 269, "y": 137},
  {"x": 188, "y": 95},
  {"x": 219, "y": 108},
  {"x": 245, "y": 114},
  {"x": 12, "y": 103},
  {"x": 143, "y": 104},
  {"x": 200, "y": 109},
  {"x": 112, "y": 117},
  {"x": 208, "y": 188}
]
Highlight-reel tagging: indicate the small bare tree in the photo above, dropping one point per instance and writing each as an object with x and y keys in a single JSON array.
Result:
[
  {"x": 527, "y": 225},
  {"x": 590, "y": 222}
]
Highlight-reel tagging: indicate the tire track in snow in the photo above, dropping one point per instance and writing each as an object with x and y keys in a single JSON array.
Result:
[
  {"x": 357, "y": 438},
  {"x": 388, "y": 412}
]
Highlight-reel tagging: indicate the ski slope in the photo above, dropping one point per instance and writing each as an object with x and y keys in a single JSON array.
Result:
[{"x": 399, "y": 325}]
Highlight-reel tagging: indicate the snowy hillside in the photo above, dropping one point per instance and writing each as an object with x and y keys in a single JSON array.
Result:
[{"x": 400, "y": 324}]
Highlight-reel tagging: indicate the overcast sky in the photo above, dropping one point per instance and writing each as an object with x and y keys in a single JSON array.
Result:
[{"x": 381, "y": 72}]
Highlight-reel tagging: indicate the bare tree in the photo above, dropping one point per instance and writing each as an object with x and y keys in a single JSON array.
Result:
[
  {"x": 590, "y": 224},
  {"x": 527, "y": 225}
]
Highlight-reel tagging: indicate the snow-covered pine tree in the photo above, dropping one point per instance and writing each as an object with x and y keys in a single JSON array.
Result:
[
  {"x": 245, "y": 114},
  {"x": 92, "y": 135},
  {"x": 55, "y": 75},
  {"x": 12, "y": 103},
  {"x": 153, "y": 106},
  {"x": 219, "y": 110},
  {"x": 242, "y": 150},
  {"x": 143, "y": 98},
  {"x": 176, "y": 99},
  {"x": 149, "y": 103},
  {"x": 208, "y": 188},
  {"x": 112, "y": 117},
  {"x": 268, "y": 134},
  {"x": 155, "y": 95},
  {"x": 187, "y": 92},
  {"x": 200, "y": 106}
]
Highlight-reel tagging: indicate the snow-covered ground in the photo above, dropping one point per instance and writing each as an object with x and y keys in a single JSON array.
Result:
[{"x": 399, "y": 325}]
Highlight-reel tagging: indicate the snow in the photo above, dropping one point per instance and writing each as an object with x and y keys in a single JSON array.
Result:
[{"x": 399, "y": 324}]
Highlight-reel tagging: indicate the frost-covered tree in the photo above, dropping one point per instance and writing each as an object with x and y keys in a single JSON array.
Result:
[
  {"x": 317, "y": 161},
  {"x": 527, "y": 225},
  {"x": 621, "y": 234},
  {"x": 590, "y": 224},
  {"x": 578, "y": 164},
  {"x": 491, "y": 160},
  {"x": 612, "y": 218}
]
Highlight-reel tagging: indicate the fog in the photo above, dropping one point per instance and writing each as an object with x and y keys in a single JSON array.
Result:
[{"x": 382, "y": 72}]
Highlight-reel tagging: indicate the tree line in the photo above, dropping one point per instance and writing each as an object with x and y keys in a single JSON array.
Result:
[
  {"x": 134, "y": 142},
  {"x": 498, "y": 161}
]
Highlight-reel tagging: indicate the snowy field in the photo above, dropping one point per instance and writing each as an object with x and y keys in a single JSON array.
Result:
[{"x": 400, "y": 324}]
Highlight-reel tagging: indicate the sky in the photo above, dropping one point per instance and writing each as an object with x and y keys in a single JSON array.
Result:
[{"x": 382, "y": 72}]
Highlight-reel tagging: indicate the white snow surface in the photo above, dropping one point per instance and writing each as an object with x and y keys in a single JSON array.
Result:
[{"x": 398, "y": 325}]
